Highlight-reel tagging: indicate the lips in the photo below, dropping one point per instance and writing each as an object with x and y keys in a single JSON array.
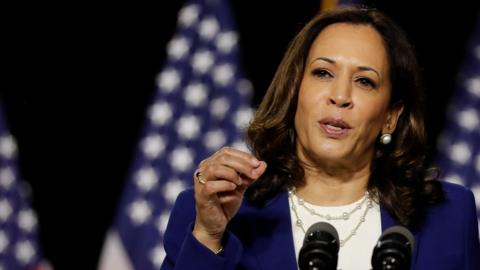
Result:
[{"x": 334, "y": 127}]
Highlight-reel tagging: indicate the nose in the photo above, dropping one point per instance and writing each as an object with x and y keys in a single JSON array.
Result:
[{"x": 340, "y": 94}]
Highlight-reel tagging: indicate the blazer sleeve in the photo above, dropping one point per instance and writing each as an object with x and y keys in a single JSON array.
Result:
[
  {"x": 184, "y": 251},
  {"x": 471, "y": 237}
]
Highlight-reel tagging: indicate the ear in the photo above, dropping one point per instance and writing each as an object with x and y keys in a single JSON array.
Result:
[{"x": 393, "y": 115}]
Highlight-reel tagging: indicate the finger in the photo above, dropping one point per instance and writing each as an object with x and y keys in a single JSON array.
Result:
[
  {"x": 246, "y": 182},
  {"x": 249, "y": 158},
  {"x": 260, "y": 169},
  {"x": 210, "y": 189},
  {"x": 239, "y": 164},
  {"x": 217, "y": 171},
  {"x": 229, "y": 196}
]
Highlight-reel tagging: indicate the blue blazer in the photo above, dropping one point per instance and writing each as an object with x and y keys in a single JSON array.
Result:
[{"x": 261, "y": 238}]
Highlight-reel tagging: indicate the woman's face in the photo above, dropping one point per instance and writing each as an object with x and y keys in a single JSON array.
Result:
[{"x": 344, "y": 96}]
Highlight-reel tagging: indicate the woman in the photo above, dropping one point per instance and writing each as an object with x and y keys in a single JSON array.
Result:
[{"x": 342, "y": 132}]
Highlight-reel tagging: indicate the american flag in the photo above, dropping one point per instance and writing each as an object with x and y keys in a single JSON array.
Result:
[
  {"x": 201, "y": 104},
  {"x": 19, "y": 248},
  {"x": 459, "y": 145}
]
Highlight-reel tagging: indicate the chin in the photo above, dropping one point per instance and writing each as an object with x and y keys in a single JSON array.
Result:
[{"x": 330, "y": 151}]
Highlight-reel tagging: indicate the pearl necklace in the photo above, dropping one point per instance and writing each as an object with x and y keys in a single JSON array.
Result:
[{"x": 345, "y": 216}]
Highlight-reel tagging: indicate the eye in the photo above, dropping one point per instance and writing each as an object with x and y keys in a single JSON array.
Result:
[
  {"x": 366, "y": 82},
  {"x": 321, "y": 73}
]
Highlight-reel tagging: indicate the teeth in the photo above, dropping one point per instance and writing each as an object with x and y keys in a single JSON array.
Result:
[{"x": 334, "y": 127}]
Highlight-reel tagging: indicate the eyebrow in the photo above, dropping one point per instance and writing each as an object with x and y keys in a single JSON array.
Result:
[{"x": 333, "y": 62}]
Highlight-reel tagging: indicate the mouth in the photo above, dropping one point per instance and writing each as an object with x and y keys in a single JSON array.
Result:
[{"x": 334, "y": 127}]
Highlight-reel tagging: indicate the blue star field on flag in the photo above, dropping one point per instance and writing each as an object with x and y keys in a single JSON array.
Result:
[
  {"x": 201, "y": 104},
  {"x": 459, "y": 145},
  {"x": 19, "y": 248}
]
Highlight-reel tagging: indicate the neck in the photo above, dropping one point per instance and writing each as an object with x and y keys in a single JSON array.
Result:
[{"x": 333, "y": 185}]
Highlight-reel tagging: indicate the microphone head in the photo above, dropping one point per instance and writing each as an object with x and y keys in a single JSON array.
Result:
[
  {"x": 394, "y": 249},
  {"x": 320, "y": 248},
  {"x": 321, "y": 227}
]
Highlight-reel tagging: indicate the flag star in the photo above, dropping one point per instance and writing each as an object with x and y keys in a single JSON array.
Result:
[
  {"x": 195, "y": 94},
  {"x": 3, "y": 241},
  {"x": 162, "y": 222},
  {"x": 215, "y": 139},
  {"x": 202, "y": 61},
  {"x": 153, "y": 146},
  {"x": 473, "y": 86},
  {"x": 139, "y": 211},
  {"x": 468, "y": 119},
  {"x": 188, "y": 15},
  {"x": 168, "y": 80},
  {"x": 161, "y": 113},
  {"x": 245, "y": 87},
  {"x": 242, "y": 117},
  {"x": 455, "y": 178},
  {"x": 5, "y": 210},
  {"x": 157, "y": 255},
  {"x": 8, "y": 148},
  {"x": 146, "y": 178},
  {"x": 188, "y": 127},
  {"x": 6, "y": 177},
  {"x": 226, "y": 41},
  {"x": 181, "y": 159},
  {"x": 208, "y": 28},
  {"x": 460, "y": 153},
  {"x": 223, "y": 74},
  {"x": 219, "y": 107},
  {"x": 24, "y": 251},
  {"x": 27, "y": 220},
  {"x": 178, "y": 48},
  {"x": 172, "y": 188}
]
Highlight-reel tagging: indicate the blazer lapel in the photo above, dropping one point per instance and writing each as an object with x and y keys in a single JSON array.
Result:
[
  {"x": 276, "y": 250},
  {"x": 387, "y": 219}
]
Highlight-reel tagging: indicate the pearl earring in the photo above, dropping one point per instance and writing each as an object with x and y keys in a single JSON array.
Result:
[{"x": 385, "y": 138}]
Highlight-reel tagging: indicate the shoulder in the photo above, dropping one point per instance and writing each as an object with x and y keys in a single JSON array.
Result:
[
  {"x": 454, "y": 189},
  {"x": 458, "y": 206},
  {"x": 448, "y": 236},
  {"x": 456, "y": 195}
]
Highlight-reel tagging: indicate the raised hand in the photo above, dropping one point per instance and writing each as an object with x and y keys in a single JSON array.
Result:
[{"x": 220, "y": 182}]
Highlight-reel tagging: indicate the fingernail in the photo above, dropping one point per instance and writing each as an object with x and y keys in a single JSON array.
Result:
[{"x": 255, "y": 162}]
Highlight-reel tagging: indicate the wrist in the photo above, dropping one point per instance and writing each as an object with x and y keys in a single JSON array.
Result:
[{"x": 212, "y": 241}]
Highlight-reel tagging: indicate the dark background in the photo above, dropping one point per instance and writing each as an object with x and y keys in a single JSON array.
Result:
[{"x": 78, "y": 78}]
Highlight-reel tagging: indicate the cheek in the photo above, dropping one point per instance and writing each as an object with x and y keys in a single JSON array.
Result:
[
  {"x": 301, "y": 116},
  {"x": 373, "y": 118},
  {"x": 306, "y": 106}
]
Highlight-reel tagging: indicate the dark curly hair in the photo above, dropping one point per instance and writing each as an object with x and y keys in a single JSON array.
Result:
[{"x": 400, "y": 179}]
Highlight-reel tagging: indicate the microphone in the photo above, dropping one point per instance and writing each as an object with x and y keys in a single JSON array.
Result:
[
  {"x": 320, "y": 248},
  {"x": 394, "y": 249}
]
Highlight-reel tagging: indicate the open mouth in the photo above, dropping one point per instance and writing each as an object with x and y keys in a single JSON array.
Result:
[{"x": 334, "y": 128}]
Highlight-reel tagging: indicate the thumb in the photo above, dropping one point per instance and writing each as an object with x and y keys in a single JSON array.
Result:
[{"x": 260, "y": 169}]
